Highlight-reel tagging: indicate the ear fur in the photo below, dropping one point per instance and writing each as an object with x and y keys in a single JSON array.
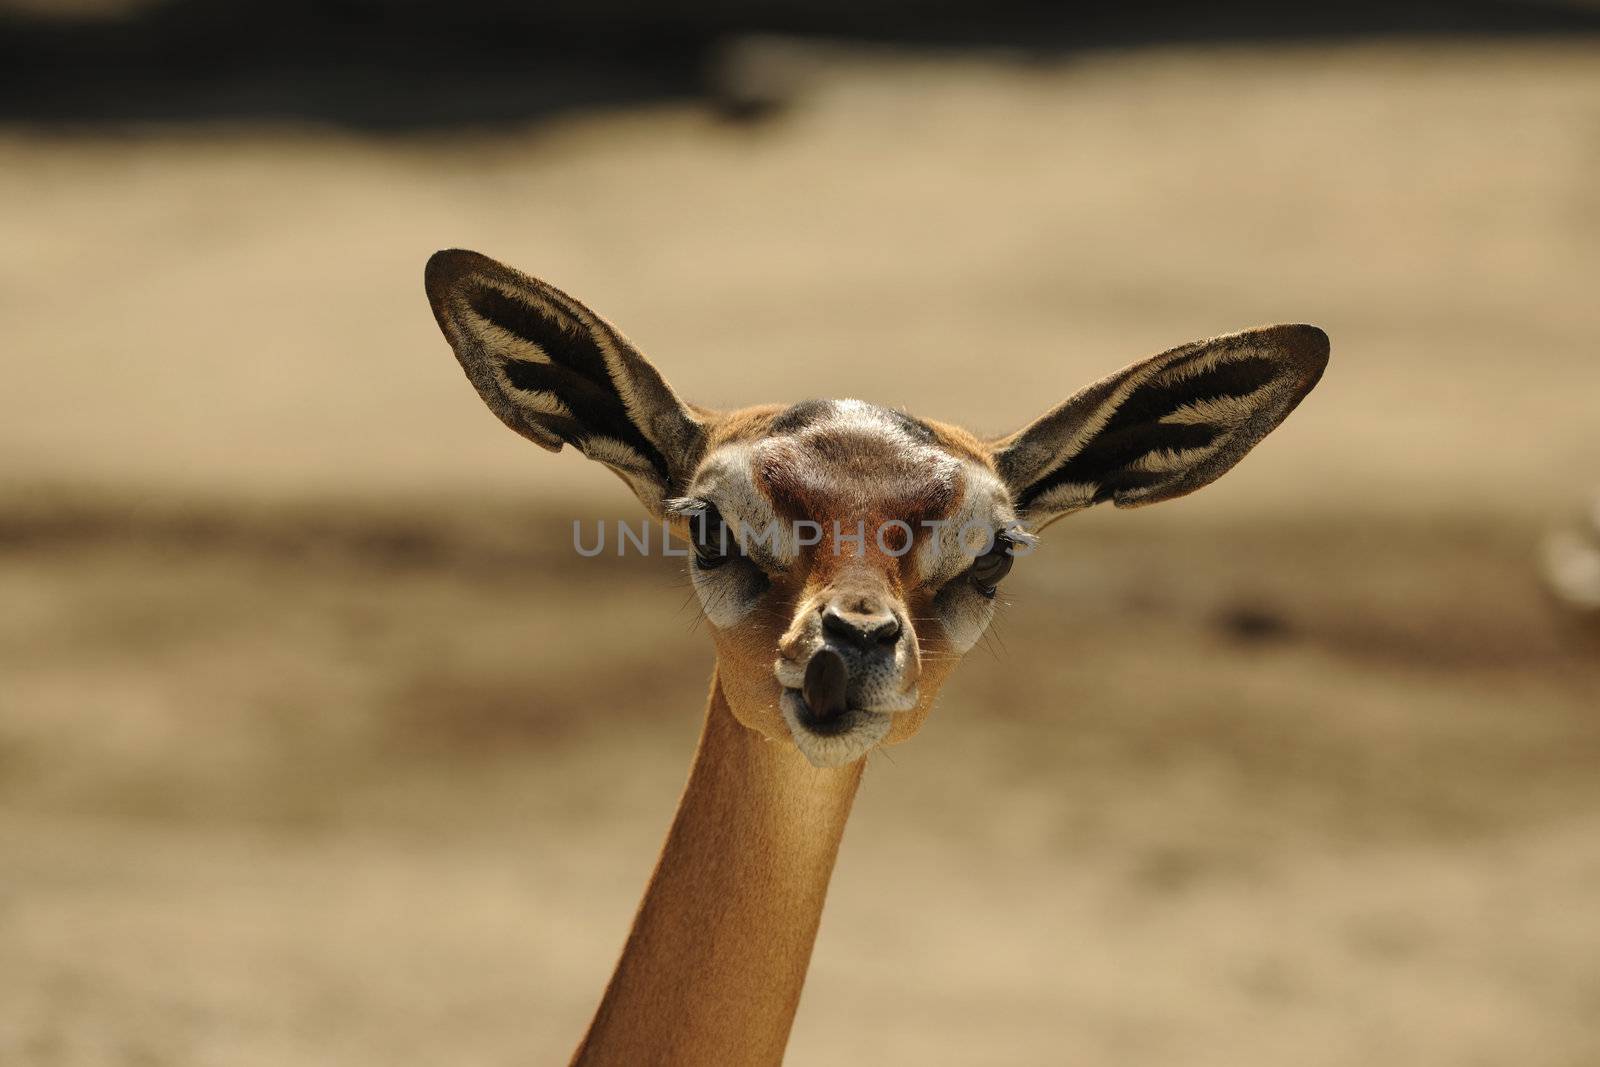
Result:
[
  {"x": 557, "y": 373},
  {"x": 1162, "y": 427}
]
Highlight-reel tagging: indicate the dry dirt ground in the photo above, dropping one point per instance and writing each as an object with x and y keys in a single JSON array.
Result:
[{"x": 318, "y": 745}]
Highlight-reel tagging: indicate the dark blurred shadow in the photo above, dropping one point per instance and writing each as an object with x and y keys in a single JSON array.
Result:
[{"x": 418, "y": 64}]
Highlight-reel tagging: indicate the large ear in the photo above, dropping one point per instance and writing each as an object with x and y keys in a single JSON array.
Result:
[
  {"x": 1164, "y": 426},
  {"x": 557, "y": 373}
]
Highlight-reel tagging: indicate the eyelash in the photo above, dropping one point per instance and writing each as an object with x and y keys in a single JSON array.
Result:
[
  {"x": 708, "y": 533},
  {"x": 1004, "y": 552}
]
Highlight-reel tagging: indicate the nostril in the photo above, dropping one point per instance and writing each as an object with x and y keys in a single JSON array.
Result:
[
  {"x": 863, "y": 632},
  {"x": 840, "y": 627}
]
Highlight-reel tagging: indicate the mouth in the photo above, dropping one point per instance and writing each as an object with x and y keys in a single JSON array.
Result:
[
  {"x": 841, "y": 739},
  {"x": 826, "y": 730}
]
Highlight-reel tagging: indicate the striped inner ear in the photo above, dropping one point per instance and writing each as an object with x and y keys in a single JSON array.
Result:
[
  {"x": 1186, "y": 422},
  {"x": 554, "y": 368},
  {"x": 1135, "y": 434},
  {"x": 1229, "y": 380}
]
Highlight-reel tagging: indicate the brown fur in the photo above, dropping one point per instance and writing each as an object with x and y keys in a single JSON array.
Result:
[
  {"x": 713, "y": 968},
  {"x": 714, "y": 965}
]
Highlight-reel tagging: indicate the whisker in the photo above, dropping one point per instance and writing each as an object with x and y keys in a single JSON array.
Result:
[{"x": 994, "y": 628}]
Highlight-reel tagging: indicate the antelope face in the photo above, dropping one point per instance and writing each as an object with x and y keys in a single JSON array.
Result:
[{"x": 847, "y": 555}]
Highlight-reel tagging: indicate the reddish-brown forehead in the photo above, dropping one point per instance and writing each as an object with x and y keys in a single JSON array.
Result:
[{"x": 825, "y": 461}]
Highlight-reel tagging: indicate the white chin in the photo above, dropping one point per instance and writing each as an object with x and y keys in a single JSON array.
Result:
[{"x": 862, "y": 732}]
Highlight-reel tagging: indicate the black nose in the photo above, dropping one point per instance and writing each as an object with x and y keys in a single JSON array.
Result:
[{"x": 873, "y": 628}]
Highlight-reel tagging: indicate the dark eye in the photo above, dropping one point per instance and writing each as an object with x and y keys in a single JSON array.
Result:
[
  {"x": 992, "y": 566},
  {"x": 713, "y": 541}
]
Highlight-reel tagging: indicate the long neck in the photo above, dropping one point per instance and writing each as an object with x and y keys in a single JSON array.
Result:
[{"x": 713, "y": 968}]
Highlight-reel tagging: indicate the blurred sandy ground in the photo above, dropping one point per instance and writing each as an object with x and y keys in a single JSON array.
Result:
[{"x": 309, "y": 751}]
